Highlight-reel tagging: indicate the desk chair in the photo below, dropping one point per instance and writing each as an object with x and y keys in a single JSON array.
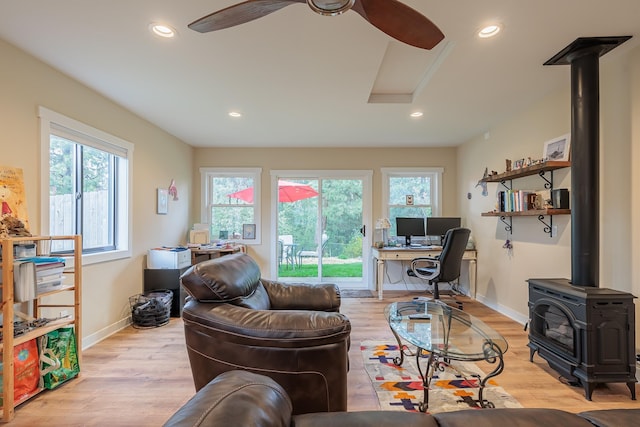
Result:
[{"x": 444, "y": 267}]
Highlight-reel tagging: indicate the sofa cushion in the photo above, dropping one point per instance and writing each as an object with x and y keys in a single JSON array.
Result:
[
  {"x": 265, "y": 328},
  {"x": 226, "y": 279},
  {"x": 365, "y": 419},
  {"x": 258, "y": 300},
  {"x": 236, "y": 398},
  {"x": 302, "y": 296},
  {"x": 512, "y": 417},
  {"x": 613, "y": 417}
]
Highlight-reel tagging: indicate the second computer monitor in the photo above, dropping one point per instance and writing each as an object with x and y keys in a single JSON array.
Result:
[
  {"x": 408, "y": 227},
  {"x": 439, "y": 225}
]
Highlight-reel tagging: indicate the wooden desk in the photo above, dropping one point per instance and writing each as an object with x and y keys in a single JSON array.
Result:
[
  {"x": 382, "y": 255},
  {"x": 203, "y": 254}
]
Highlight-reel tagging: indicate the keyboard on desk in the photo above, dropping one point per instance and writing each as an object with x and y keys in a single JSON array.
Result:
[{"x": 413, "y": 246}]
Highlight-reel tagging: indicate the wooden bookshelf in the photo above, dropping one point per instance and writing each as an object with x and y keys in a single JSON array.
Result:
[{"x": 9, "y": 341}]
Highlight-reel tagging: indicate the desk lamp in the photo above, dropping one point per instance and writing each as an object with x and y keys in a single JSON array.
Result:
[{"x": 384, "y": 224}]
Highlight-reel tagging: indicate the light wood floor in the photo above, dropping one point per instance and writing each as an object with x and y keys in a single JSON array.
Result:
[{"x": 140, "y": 377}]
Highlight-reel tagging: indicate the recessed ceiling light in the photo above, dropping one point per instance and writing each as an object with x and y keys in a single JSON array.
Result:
[
  {"x": 235, "y": 114},
  {"x": 489, "y": 31},
  {"x": 416, "y": 114},
  {"x": 162, "y": 30}
]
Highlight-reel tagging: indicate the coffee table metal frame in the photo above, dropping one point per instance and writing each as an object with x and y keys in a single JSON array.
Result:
[{"x": 442, "y": 333}]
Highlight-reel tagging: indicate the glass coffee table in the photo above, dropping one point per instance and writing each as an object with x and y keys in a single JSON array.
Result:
[{"x": 441, "y": 334}]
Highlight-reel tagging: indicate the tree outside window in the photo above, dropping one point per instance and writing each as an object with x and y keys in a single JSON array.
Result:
[
  {"x": 231, "y": 200},
  {"x": 411, "y": 193},
  {"x": 81, "y": 182}
]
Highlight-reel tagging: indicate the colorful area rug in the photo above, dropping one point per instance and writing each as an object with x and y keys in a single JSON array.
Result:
[{"x": 399, "y": 388}]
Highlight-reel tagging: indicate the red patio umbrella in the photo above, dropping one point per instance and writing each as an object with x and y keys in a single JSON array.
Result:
[{"x": 287, "y": 192}]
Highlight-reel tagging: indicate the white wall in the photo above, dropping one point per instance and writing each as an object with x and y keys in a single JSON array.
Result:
[
  {"x": 502, "y": 274},
  {"x": 25, "y": 84}
]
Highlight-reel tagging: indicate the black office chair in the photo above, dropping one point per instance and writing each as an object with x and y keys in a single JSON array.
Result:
[{"x": 446, "y": 266}]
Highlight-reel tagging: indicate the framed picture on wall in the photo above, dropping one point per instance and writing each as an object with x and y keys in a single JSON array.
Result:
[
  {"x": 557, "y": 149},
  {"x": 248, "y": 231},
  {"x": 162, "y": 205}
]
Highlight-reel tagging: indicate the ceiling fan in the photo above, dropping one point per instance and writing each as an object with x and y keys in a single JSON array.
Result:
[{"x": 390, "y": 16}]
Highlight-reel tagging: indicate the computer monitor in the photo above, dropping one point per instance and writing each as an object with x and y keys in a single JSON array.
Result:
[
  {"x": 439, "y": 225},
  {"x": 408, "y": 227}
]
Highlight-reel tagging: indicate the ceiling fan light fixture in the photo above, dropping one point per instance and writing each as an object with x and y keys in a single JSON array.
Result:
[
  {"x": 489, "y": 31},
  {"x": 330, "y": 7}
]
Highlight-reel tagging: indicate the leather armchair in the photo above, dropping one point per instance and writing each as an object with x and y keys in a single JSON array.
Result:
[{"x": 293, "y": 333}]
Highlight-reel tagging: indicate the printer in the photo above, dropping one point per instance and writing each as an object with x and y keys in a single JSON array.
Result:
[{"x": 168, "y": 257}]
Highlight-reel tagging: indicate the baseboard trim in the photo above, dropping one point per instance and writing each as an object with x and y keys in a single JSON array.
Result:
[
  {"x": 513, "y": 315},
  {"x": 104, "y": 333}
]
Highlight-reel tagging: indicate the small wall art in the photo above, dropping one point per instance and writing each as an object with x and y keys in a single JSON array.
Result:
[
  {"x": 557, "y": 149},
  {"x": 248, "y": 231},
  {"x": 162, "y": 206}
]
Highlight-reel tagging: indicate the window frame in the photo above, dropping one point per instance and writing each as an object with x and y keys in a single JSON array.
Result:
[
  {"x": 206, "y": 176},
  {"x": 435, "y": 174},
  {"x": 56, "y": 123}
]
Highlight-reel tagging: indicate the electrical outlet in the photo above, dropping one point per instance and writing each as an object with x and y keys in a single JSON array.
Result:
[
  {"x": 554, "y": 231},
  {"x": 64, "y": 313}
]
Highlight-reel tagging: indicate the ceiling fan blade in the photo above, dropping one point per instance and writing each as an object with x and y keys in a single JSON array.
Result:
[
  {"x": 400, "y": 22},
  {"x": 239, "y": 14}
]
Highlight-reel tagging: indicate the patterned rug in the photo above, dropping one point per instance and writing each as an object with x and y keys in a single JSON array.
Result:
[{"x": 399, "y": 388}]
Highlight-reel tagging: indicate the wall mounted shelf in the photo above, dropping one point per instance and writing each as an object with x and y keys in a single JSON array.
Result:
[{"x": 541, "y": 170}]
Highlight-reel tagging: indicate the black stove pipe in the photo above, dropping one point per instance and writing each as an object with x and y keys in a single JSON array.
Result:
[
  {"x": 583, "y": 55},
  {"x": 585, "y": 128}
]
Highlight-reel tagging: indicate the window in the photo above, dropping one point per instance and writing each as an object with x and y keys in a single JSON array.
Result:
[
  {"x": 231, "y": 202},
  {"x": 87, "y": 174},
  {"x": 409, "y": 192}
]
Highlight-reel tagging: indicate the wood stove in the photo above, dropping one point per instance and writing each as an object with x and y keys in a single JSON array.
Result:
[{"x": 586, "y": 333}]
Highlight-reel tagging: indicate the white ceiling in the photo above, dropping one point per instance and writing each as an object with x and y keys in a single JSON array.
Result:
[{"x": 305, "y": 80}]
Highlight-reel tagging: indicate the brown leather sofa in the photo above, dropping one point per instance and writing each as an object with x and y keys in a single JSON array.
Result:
[
  {"x": 240, "y": 398},
  {"x": 293, "y": 333}
]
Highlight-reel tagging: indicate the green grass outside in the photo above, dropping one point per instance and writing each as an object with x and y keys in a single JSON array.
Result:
[{"x": 328, "y": 270}]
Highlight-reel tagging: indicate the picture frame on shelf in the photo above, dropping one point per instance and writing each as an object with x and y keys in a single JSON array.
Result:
[
  {"x": 518, "y": 164},
  {"x": 248, "y": 231},
  {"x": 162, "y": 205},
  {"x": 557, "y": 149}
]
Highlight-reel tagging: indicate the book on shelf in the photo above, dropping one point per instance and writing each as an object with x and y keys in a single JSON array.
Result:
[
  {"x": 515, "y": 200},
  {"x": 24, "y": 281},
  {"x": 33, "y": 276}
]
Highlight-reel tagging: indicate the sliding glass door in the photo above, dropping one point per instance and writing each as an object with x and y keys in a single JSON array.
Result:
[{"x": 319, "y": 223}]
